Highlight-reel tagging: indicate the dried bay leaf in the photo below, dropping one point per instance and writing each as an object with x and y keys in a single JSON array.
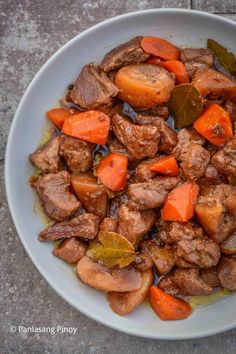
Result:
[
  {"x": 227, "y": 59},
  {"x": 113, "y": 249},
  {"x": 185, "y": 105}
]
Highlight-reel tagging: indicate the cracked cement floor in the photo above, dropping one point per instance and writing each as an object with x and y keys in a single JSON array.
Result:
[{"x": 31, "y": 31}]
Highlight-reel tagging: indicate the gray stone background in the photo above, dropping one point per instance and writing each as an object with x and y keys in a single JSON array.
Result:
[{"x": 31, "y": 31}]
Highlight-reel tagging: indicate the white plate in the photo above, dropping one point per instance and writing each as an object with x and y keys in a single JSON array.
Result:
[{"x": 184, "y": 28}]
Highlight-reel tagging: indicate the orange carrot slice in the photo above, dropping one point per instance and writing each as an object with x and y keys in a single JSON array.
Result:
[
  {"x": 179, "y": 205},
  {"x": 178, "y": 68},
  {"x": 160, "y": 48},
  {"x": 58, "y": 115},
  {"x": 91, "y": 126},
  {"x": 168, "y": 307},
  {"x": 166, "y": 165},
  {"x": 112, "y": 171},
  {"x": 215, "y": 125}
]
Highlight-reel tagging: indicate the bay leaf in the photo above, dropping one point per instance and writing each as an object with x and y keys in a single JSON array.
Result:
[
  {"x": 185, "y": 105},
  {"x": 113, "y": 249},
  {"x": 227, "y": 59}
]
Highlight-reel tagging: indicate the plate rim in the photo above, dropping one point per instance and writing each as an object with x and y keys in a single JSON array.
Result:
[{"x": 10, "y": 202}]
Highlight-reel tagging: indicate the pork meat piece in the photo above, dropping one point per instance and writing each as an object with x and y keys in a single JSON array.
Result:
[
  {"x": 229, "y": 245},
  {"x": 212, "y": 176},
  {"x": 230, "y": 107},
  {"x": 203, "y": 253},
  {"x": 185, "y": 137},
  {"x": 227, "y": 273},
  {"x": 225, "y": 159},
  {"x": 116, "y": 147},
  {"x": 210, "y": 276},
  {"x": 115, "y": 205},
  {"x": 193, "y": 157},
  {"x": 143, "y": 261},
  {"x": 125, "y": 54},
  {"x": 171, "y": 232},
  {"x": 70, "y": 250},
  {"x": 161, "y": 111},
  {"x": 194, "y": 160},
  {"x": 76, "y": 153},
  {"x": 168, "y": 138},
  {"x": 196, "y": 58},
  {"x": 46, "y": 158},
  {"x": 93, "y": 89},
  {"x": 162, "y": 257},
  {"x": 151, "y": 194},
  {"x": 214, "y": 84},
  {"x": 84, "y": 226},
  {"x": 134, "y": 225},
  {"x": 215, "y": 209},
  {"x": 140, "y": 141},
  {"x": 57, "y": 200},
  {"x": 184, "y": 282},
  {"x": 108, "y": 224}
]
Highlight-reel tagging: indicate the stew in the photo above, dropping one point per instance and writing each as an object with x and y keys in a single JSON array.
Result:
[{"x": 143, "y": 209}]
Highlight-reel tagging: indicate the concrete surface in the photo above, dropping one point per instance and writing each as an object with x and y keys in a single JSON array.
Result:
[{"x": 31, "y": 30}]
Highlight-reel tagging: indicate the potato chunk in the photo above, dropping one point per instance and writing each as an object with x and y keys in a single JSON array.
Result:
[
  {"x": 126, "y": 302},
  {"x": 104, "y": 279},
  {"x": 144, "y": 85},
  {"x": 92, "y": 195}
]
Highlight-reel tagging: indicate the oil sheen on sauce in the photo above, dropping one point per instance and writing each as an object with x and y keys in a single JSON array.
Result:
[
  {"x": 204, "y": 300},
  {"x": 38, "y": 209}
]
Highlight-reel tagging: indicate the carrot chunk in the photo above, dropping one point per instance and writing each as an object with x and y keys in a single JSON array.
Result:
[
  {"x": 112, "y": 171},
  {"x": 91, "y": 126},
  {"x": 168, "y": 307},
  {"x": 179, "y": 205},
  {"x": 154, "y": 61},
  {"x": 58, "y": 115},
  {"x": 166, "y": 165},
  {"x": 178, "y": 68},
  {"x": 160, "y": 48},
  {"x": 215, "y": 125}
]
